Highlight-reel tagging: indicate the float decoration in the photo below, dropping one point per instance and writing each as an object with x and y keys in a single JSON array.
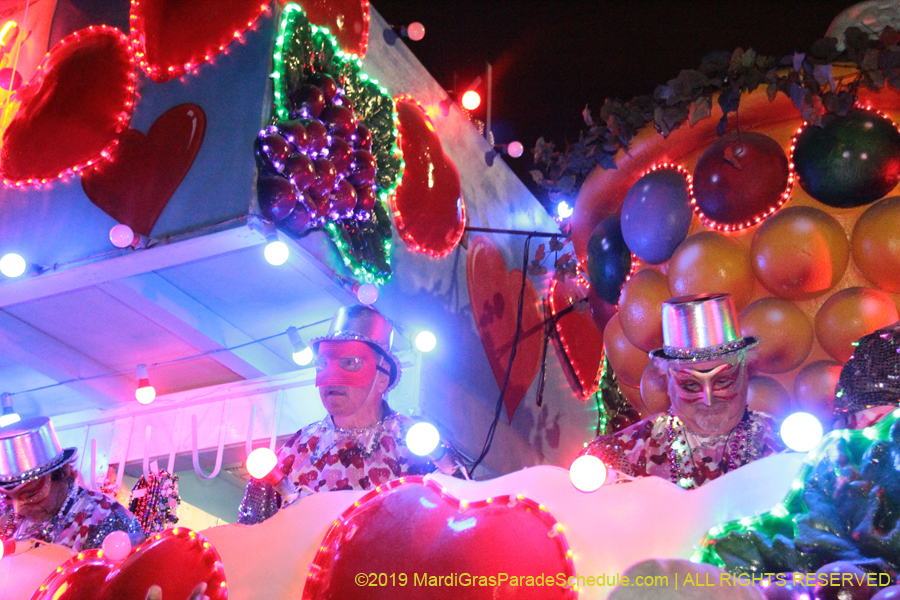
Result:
[
  {"x": 428, "y": 206},
  {"x": 348, "y": 20},
  {"x": 844, "y": 505},
  {"x": 155, "y": 500},
  {"x": 579, "y": 342},
  {"x": 176, "y": 560},
  {"x": 412, "y": 527},
  {"x": 169, "y": 45},
  {"x": 804, "y": 78},
  {"x": 58, "y": 105},
  {"x": 656, "y": 213},
  {"x": 138, "y": 181},
  {"x": 494, "y": 295},
  {"x": 319, "y": 87}
]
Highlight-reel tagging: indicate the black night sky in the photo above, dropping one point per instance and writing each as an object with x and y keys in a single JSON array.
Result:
[{"x": 550, "y": 59}]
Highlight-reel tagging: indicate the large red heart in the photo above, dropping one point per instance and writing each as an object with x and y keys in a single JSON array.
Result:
[
  {"x": 177, "y": 560},
  {"x": 578, "y": 340},
  {"x": 411, "y": 539},
  {"x": 494, "y": 296},
  {"x": 172, "y": 37},
  {"x": 428, "y": 206},
  {"x": 73, "y": 109},
  {"x": 145, "y": 171},
  {"x": 347, "y": 20}
]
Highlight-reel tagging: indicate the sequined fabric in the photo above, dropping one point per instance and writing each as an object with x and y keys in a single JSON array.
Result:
[
  {"x": 322, "y": 458},
  {"x": 82, "y": 523},
  {"x": 872, "y": 375},
  {"x": 646, "y": 449}
]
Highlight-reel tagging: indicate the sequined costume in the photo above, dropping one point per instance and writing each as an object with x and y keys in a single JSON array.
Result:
[
  {"x": 654, "y": 445},
  {"x": 322, "y": 457},
  {"x": 82, "y": 522}
]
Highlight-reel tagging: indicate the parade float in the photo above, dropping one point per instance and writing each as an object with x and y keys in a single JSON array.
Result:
[{"x": 236, "y": 174}]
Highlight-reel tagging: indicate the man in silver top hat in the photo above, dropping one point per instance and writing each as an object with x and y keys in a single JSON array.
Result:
[
  {"x": 361, "y": 444},
  {"x": 708, "y": 430},
  {"x": 41, "y": 497}
]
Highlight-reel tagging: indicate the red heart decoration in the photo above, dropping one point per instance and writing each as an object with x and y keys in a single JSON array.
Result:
[
  {"x": 347, "y": 20},
  {"x": 73, "y": 109},
  {"x": 135, "y": 186},
  {"x": 411, "y": 528},
  {"x": 177, "y": 560},
  {"x": 172, "y": 37},
  {"x": 494, "y": 296},
  {"x": 428, "y": 206},
  {"x": 578, "y": 340}
]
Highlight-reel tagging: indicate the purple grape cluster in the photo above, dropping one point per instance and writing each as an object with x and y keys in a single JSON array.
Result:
[{"x": 317, "y": 166}]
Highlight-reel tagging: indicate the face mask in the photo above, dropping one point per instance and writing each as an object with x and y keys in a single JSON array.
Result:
[
  {"x": 719, "y": 384},
  {"x": 346, "y": 362}
]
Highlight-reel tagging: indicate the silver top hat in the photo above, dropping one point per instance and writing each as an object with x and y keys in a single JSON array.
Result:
[
  {"x": 701, "y": 327},
  {"x": 364, "y": 324},
  {"x": 30, "y": 449}
]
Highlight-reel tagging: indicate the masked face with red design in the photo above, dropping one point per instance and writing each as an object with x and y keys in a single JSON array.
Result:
[
  {"x": 38, "y": 500},
  {"x": 709, "y": 396},
  {"x": 352, "y": 379}
]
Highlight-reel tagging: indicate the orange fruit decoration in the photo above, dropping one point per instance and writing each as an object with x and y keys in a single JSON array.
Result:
[
  {"x": 640, "y": 309},
  {"x": 633, "y": 395},
  {"x": 799, "y": 252},
  {"x": 654, "y": 390},
  {"x": 814, "y": 389},
  {"x": 768, "y": 396},
  {"x": 711, "y": 262},
  {"x": 876, "y": 244},
  {"x": 785, "y": 333},
  {"x": 627, "y": 361},
  {"x": 850, "y": 314}
]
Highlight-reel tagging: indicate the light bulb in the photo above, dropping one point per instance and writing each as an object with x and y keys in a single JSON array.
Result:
[
  {"x": 471, "y": 100},
  {"x": 122, "y": 236},
  {"x": 425, "y": 341},
  {"x": 12, "y": 265},
  {"x": 367, "y": 293},
  {"x": 564, "y": 210},
  {"x": 260, "y": 462},
  {"x": 116, "y": 546},
  {"x": 422, "y": 438},
  {"x": 9, "y": 415},
  {"x": 515, "y": 149},
  {"x": 801, "y": 432},
  {"x": 276, "y": 252},
  {"x": 145, "y": 393},
  {"x": 304, "y": 357},
  {"x": 587, "y": 473},
  {"x": 415, "y": 31}
]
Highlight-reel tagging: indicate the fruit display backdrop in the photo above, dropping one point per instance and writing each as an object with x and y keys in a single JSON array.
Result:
[{"x": 795, "y": 220}]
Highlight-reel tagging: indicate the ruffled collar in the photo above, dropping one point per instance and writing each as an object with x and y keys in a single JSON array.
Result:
[{"x": 367, "y": 439}]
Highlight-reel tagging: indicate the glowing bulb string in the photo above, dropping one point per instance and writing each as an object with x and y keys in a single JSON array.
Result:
[{"x": 172, "y": 361}]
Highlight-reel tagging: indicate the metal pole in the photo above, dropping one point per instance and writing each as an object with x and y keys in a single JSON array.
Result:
[{"x": 488, "y": 134}]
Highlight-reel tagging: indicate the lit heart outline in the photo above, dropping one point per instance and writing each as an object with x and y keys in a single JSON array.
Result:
[
  {"x": 122, "y": 118},
  {"x": 56, "y": 585},
  {"x": 325, "y": 556},
  {"x": 585, "y": 376}
]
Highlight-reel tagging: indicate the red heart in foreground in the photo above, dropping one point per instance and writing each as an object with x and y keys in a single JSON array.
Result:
[
  {"x": 172, "y": 37},
  {"x": 410, "y": 539},
  {"x": 428, "y": 206},
  {"x": 348, "y": 21},
  {"x": 579, "y": 341},
  {"x": 73, "y": 109},
  {"x": 135, "y": 186},
  {"x": 494, "y": 296},
  {"x": 177, "y": 560}
]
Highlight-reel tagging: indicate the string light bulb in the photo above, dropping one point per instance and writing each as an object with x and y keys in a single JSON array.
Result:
[
  {"x": 303, "y": 354},
  {"x": 276, "y": 252},
  {"x": 587, "y": 473},
  {"x": 145, "y": 393},
  {"x": 564, "y": 210},
  {"x": 8, "y": 416},
  {"x": 260, "y": 462},
  {"x": 425, "y": 341},
  {"x": 422, "y": 438},
  {"x": 801, "y": 432},
  {"x": 122, "y": 236},
  {"x": 13, "y": 265},
  {"x": 471, "y": 100}
]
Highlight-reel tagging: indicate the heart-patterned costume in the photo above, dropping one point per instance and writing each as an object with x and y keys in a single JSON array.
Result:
[
  {"x": 324, "y": 458},
  {"x": 82, "y": 522}
]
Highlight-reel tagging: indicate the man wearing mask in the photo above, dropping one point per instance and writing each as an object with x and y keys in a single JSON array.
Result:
[
  {"x": 708, "y": 430},
  {"x": 42, "y": 498},
  {"x": 361, "y": 444}
]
